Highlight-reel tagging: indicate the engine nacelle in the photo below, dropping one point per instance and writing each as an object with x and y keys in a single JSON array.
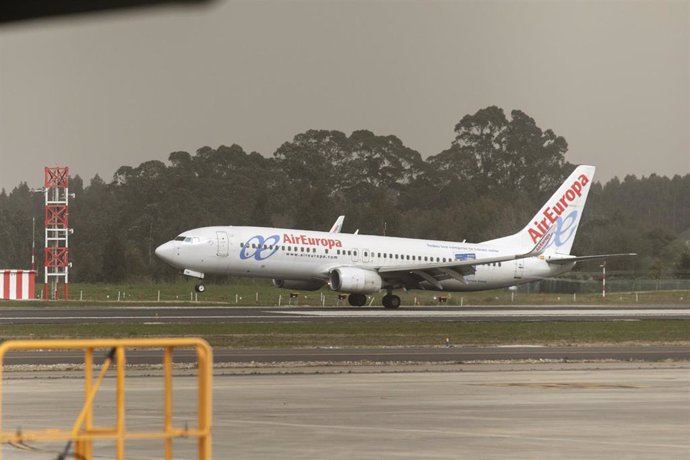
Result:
[
  {"x": 299, "y": 285},
  {"x": 355, "y": 280}
]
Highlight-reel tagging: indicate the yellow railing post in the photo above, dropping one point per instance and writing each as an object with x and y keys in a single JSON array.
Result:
[
  {"x": 204, "y": 357},
  {"x": 167, "y": 421},
  {"x": 120, "y": 403},
  {"x": 83, "y": 448}
]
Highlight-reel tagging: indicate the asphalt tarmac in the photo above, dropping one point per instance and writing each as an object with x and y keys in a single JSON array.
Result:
[
  {"x": 532, "y": 411},
  {"x": 544, "y": 403},
  {"x": 211, "y": 314}
]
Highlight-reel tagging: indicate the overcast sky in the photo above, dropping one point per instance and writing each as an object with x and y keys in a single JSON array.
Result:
[{"x": 100, "y": 91}]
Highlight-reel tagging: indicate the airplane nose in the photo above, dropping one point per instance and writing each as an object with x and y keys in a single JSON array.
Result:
[{"x": 165, "y": 251}]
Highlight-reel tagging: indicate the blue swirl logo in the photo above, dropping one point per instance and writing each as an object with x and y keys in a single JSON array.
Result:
[
  {"x": 260, "y": 248},
  {"x": 565, "y": 230}
]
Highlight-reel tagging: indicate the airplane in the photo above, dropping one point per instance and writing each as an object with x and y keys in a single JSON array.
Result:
[{"x": 358, "y": 264}]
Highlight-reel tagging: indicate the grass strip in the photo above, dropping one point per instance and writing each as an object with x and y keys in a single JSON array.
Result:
[
  {"x": 380, "y": 333},
  {"x": 261, "y": 292}
]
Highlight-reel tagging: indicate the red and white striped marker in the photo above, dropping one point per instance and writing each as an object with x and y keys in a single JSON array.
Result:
[{"x": 17, "y": 284}]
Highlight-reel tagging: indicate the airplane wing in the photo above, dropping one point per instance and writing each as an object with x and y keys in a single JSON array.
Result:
[
  {"x": 435, "y": 272},
  {"x": 338, "y": 225},
  {"x": 564, "y": 259}
]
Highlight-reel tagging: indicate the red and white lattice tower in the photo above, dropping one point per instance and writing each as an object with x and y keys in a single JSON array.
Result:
[{"x": 57, "y": 232}]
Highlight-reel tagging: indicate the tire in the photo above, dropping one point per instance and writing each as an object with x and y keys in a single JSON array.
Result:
[
  {"x": 391, "y": 301},
  {"x": 357, "y": 300},
  {"x": 200, "y": 288}
]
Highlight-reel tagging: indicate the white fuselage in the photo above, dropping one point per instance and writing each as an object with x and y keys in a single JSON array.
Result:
[{"x": 309, "y": 256}]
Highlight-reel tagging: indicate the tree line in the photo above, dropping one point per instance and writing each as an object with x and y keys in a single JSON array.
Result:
[{"x": 496, "y": 173}]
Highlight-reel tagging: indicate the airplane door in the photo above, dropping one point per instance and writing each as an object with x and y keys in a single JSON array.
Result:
[
  {"x": 366, "y": 256},
  {"x": 355, "y": 255},
  {"x": 222, "y": 244},
  {"x": 519, "y": 268}
]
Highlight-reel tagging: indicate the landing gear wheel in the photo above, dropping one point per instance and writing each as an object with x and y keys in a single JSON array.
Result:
[
  {"x": 391, "y": 301},
  {"x": 357, "y": 300},
  {"x": 200, "y": 288}
]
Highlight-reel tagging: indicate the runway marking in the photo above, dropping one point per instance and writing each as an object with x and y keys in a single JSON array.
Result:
[
  {"x": 152, "y": 318},
  {"x": 491, "y": 313}
]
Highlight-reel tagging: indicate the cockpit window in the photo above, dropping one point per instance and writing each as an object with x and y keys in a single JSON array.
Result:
[{"x": 188, "y": 239}]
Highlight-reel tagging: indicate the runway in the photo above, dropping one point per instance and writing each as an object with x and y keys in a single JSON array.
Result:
[
  {"x": 224, "y": 314},
  {"x": 523, "y": 402}
]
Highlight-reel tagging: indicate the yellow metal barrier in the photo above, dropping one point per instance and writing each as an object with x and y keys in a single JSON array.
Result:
[{"x": 83, "y": 433}]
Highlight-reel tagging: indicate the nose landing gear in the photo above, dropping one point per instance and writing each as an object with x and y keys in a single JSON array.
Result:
[{"x": 200, "y": 287}]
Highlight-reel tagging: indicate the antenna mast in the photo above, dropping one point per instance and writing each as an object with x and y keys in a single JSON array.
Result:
[{"x": 57, "y": 232}]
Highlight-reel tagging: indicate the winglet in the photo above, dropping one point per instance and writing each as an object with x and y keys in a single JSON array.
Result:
[{"x": 338, "y": 225}]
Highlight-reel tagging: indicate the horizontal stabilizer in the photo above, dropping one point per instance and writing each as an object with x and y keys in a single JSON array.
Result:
[{"x": 564, "y": 259}]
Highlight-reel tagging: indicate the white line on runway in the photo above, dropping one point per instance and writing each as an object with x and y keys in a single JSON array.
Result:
[
  {"x": 491, "y": 313},
  {"x": 539, "y": 313},
  {"x": 152, "y": 318}
]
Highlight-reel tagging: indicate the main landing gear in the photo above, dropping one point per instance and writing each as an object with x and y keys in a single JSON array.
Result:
[
  {"x": 357, "y": 300},
  {"x": 200, "y": 288},
  {"x": 390, "y": 301}
]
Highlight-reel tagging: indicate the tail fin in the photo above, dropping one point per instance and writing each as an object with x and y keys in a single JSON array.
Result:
[
  {"x": 337, "y": 225},
  {"x": 563, "y": 210}
]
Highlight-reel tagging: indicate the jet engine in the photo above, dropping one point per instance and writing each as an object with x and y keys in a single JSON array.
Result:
[
  {"x": 299, "y": 285},
  {"x": 355, "y": 280}
]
